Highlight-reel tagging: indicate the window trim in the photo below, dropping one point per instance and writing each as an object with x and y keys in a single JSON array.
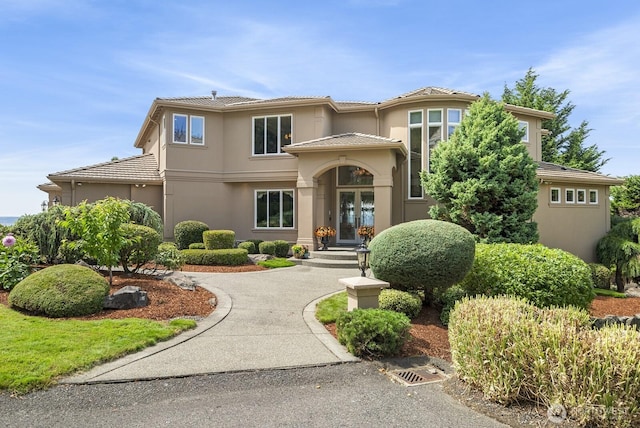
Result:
[
  {"x": 411, "y": 126},
  {"x": 524, "y": 124},
  {"x": 566, "y": 196},
  {"x": 454, "y": 124},
  {"x": 559, "y": 200},
  {"x": 191, "y": 117},
  {"x": 186, "y": 130},
  {"x": 428, "y": 140},
  {"x": 255, "y": 209},
  {"x": 594, "y": 192},
  {"x": 279, "y": 134},
  {"x": 584, "y": 196}
]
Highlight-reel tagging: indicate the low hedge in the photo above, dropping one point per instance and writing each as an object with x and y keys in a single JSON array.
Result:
[
  {"x": 197, "y": 246},
  {"x": 267, "y": 247},
  {"x": 282, "y": 248},
  {"x": 514, "y": 352},
  {"x": 601, "y": 276},
  {"x": 400, "y": 301},
  {"x": 187, "y": 232},
  {"x": 218, "y": 239},
  {"x": 372, "y": 332},
  {"x": 249, "y": 246},
  {"x": 256, "y": 243},
  {"x": 226, "y": 257}
]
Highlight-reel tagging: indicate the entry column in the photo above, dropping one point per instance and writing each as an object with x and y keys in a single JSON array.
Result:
[
  {"x": 382, "y": 188},
  {"x": 306, "y": 202}
]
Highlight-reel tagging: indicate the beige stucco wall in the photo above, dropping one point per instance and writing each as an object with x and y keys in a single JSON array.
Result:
[{"x": 363, "y": 122}]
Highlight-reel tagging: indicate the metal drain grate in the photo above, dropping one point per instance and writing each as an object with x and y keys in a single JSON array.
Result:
[{"x": 418, "y": 376}]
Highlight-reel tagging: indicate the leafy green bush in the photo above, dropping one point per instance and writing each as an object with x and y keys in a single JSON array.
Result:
[
  {"x": 514, "y": 351},
  {"x": 219, "y": 239},
  {"x": 226, "y": 257},
  {"x": 372, "y": 332},
  {"x": 144, "y": 215},
  {"x": 197, "y": 246},
  {"x": 267, "y": 247},
  {"x": 61, "y": 291},
  {"x": 544, "y": 276},
  {"x": 141, "y": 247},
  {"x": 187, "y": 232},
  {"x": 249, "y": 246},
  {"x": 282, "y": 248},
  {"x": 256, "y": 243},
  {"x": 447, "y": 300},
  {"x": 422, "y": 254},
  {"x": 601, "y": 276},
  {"x": 169, "y": 256},
  {"x": 400, "y": 301},
  {"x": 45, "y": 231},
  {"x": 16, "y": 257}
]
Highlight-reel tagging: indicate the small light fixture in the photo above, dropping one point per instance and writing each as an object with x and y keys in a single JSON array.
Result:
[
  {"x": 43, "y": 205},
  {"x": 56, "y": 200},
  {"x": 363, "y": 258}
]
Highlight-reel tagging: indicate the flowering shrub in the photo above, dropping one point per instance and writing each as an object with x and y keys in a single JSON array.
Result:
[
  {"x": 323, "y": 231},
  {"x": 15, "y": 260},
  {"x": 366, "y": 231},
  {"x": 299, "y": 251}
]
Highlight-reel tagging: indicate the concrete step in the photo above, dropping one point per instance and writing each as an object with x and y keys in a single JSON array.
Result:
[
  {"x": 330, "y": 263},
  {"x": 334, "y": 255}
]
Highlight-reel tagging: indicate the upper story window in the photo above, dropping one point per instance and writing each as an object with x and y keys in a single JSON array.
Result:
[
  {"x": 454, "y": 117},
  {"x": 434, "y": 130},
  {"x": 415, "y": 153},
  {"x": 524, "y": 125},
  {"x": 188, "y": 129},
  {"x": 271, "y": 134}
]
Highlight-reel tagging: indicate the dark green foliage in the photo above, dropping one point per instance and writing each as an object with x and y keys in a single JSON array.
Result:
[
  {"x": 601, "y": 276},
  {"x": 226, "y": 257},
  {"x": 256, "y": 243},
  {"x": 61, "y": 291},
  {"x": 282, "y": 248},
  {"x": 267, "y": 247},
  {"x": 448, "y": 299},
  {"x": 626, "y": 198},
  {"x": 219, "y": 239},
  {"x": 544, "y": 276},
  {"x": 141, "y": 247},
  {"x": 621, "y": 248},
  {"x": 197, "y": 246},
  {"x": 249, "y": 246},
  {"x": 372, "y": 332},
  {"x": 422, "y": 254},
  {"x": 187, "y": 232},
  {"x": 484, "y": 179},
  {"x": 169, "y": 256},
  {"x": 144, "y": 215},
  {"x": 16, "y": 261},
  {"x": 400, "y": 301},
  {"x": 44, "y": 229}
]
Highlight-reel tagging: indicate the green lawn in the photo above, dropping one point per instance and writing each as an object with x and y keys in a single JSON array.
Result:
[
  {"x": 609, "y": 293},
  {"x": 328, "y": 310},
  {"x": 276, "y": 263},
  {"x": 35, "y": 351}
]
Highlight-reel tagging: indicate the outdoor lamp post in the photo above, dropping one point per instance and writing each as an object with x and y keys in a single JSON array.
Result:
[
  {"x": 363, "y": 258},
  {"x": 43, "y": 205}
]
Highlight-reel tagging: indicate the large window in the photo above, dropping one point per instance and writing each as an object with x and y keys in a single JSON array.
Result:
[
  {"x": 188, "y": 129},
  {"x": 271, "y": 134},
  {"x": 434, "y": 131},
  {"x": 415, "y": 153},
  {"x": 454, "y": 117},
  {"x": 274, "y": 209},
  {"x": 524, "y": 125}
]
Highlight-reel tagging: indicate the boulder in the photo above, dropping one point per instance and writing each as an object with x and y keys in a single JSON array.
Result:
[{"x": 128, "y": 297}]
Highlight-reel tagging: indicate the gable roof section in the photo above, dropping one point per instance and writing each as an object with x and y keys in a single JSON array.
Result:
[
  {"x": 135, "y": 169},
  {"x": 552, "y": 172},
  {"x": 350, "y": 141}
]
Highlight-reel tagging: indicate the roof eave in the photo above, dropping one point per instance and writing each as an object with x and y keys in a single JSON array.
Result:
[
  {"x": 529, "y": 111},
  {"x": 421, "y": 98},
  {"x": 562, "y": 177},
  {"x": 329, "y": 148}
]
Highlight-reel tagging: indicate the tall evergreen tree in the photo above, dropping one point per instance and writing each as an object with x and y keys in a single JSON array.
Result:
[
  {"x": 563, "y": 145},
  {"x": 484, "y": 179}
]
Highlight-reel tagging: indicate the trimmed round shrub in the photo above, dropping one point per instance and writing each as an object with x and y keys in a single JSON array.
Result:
[
  {"x": 226, "y": 257},
  {"x": 601, "y": 276},
  {"x": 197, "y": 246},
  {"x": 282, "y": 248},
  {"x": 61, "y": 291},
  {"x": 141, "y": 247},
  {"x": 218, "y": 239},
  {"x": 267, "y": 247},
  {"x": 249, "y": 246},
  {"x": 372, "y": 332},
  {"x": 544, "y": 276},
  {"x": 422, "y": 254},
  {"x": 400, "y": 301},
  {"x": 169, "y": 256},
  {"x": 257, "y": 243},
  {"x": 187, "y": 232}
]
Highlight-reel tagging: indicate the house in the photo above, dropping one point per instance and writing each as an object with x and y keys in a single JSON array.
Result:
[{"x": 278, "y": 168}]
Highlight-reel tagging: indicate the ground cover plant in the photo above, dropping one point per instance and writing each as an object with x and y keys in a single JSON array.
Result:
[
  {"x": 276, "y": 263},
  {"x": 372, "y": 332}
]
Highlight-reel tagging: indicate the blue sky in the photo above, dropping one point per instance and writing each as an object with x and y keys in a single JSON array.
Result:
[{"x": 77, "y": 77}]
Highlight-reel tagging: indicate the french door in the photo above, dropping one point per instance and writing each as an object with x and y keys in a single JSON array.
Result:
[{"x": 355, "y": 209}]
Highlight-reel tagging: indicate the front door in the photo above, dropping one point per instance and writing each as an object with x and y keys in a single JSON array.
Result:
[{"x": 355, "y": 208}]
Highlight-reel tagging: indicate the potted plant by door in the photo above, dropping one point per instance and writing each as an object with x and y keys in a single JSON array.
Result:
[
  {"x": 300, "y": 251},
  {"x": 324, "y": 233},
  {"x": 366, "y": 233}
]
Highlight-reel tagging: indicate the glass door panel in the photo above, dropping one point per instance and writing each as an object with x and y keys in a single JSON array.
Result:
[{"x": 356, "y": 208}]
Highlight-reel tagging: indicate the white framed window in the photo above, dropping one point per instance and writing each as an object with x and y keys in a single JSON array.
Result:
[
  {"x": 415, "y": 154},
  {"x": 581, "y": 196},
  {"x": 569, "y": 196},
  {"x": 188, "y": 129},
  {"x": 554, "y": 195},
  {"x": 454, "y": 117},
  {"x": 524, "y": 125},
  {"x": 593, "y": 196},
  {"x": 434, "y": 132},
  {"x": 271, "y": 134},
  {"x": 274, "y": 209}
]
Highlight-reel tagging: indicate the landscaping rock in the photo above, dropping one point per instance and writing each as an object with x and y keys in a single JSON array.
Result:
[
  {"x": 181, "y": 280},
  {"x": 255, "y": 258},
  {"x": 128, "y": 297}
]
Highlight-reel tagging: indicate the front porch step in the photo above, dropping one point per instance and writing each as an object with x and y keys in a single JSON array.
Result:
[
  {"x": 329, "y": 263},
  {"x": 335, "y": 257},
  {"x": 334, "y": 254}
]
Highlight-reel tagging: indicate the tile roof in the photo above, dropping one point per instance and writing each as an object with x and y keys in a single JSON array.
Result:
[
  {"x": 140, "y": 168},
  {"x": 353, "y": 140},
  {"x": 209, "y": 101},
  {"x": 432, "y": 90},
  {"x": 552, "y": 171}
]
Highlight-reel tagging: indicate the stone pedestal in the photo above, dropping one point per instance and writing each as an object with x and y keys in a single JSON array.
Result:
[{"x": 362, "y": 292}]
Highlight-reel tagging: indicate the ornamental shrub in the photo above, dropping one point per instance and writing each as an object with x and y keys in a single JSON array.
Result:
[
  {"x": 422, "y": 254},
  {"x": 45, "y": 231},
  {"x": 249, "y": 246},
  {"x": 16, "y": 257},
  {"x": 169, "y": 256},
  {"x": 544, "y": 276},
  {"x": 218, "y": 239},
  {"x": 141, "y": 247},
  {"x": 267, "y": 247},
  {"x": 448, "y": 299},
  {"x": 256, "y": 243},
  {"x": 400, "y": 301},
  {"x": 282, "y": 248},
  {"x": 197, "y": 246},
  {"x": 601, "y": 276},
  {"x": 187, "y": 232},
  {"x": 226, "y": 257},
  {"x": 61, "y": 291},
  {"x": 372, "y": 332},
  {"x": 144, "y": 215}
]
